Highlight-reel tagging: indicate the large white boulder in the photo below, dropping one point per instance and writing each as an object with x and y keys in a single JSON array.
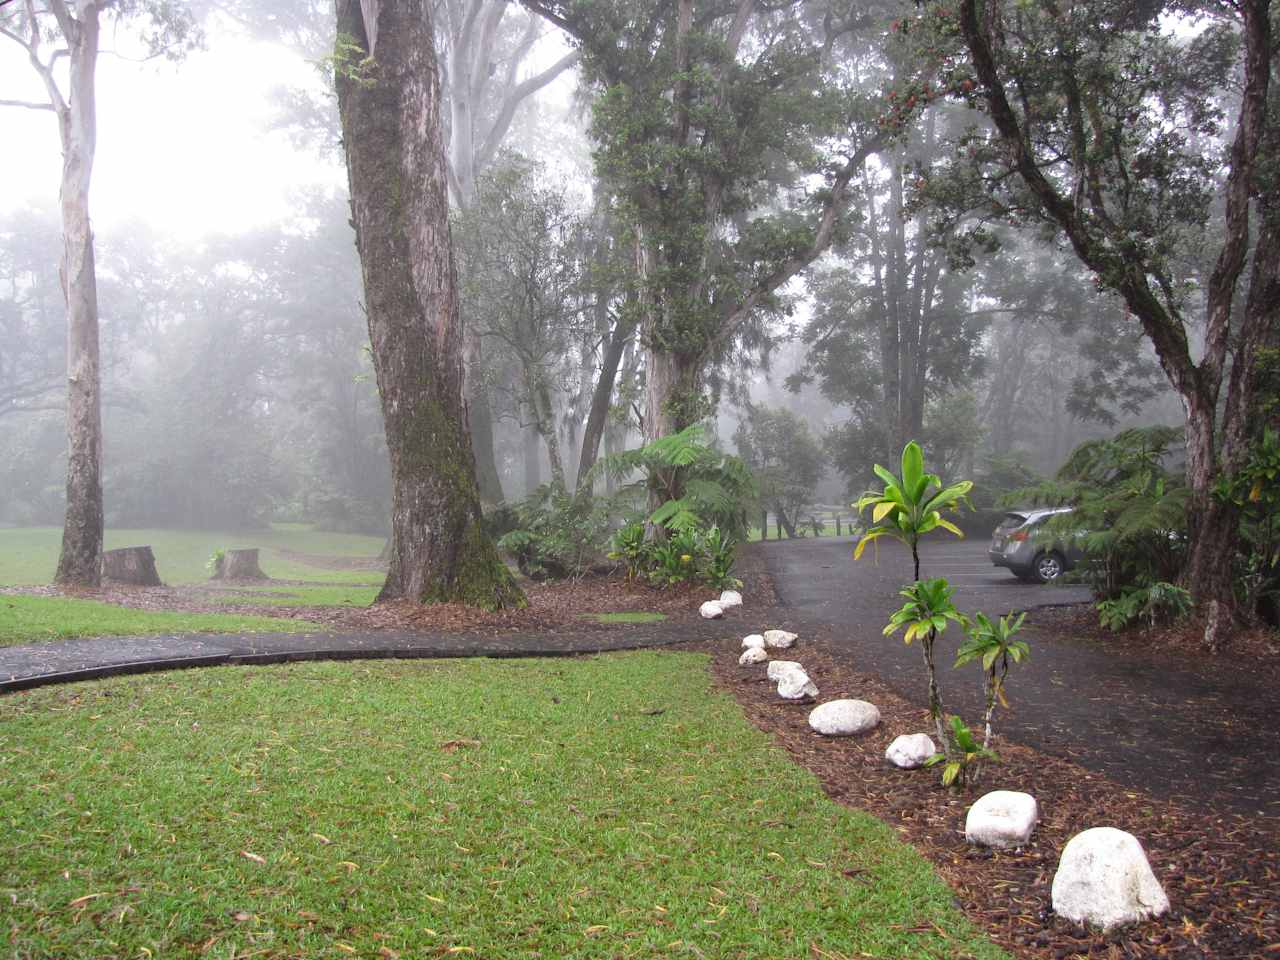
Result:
[
  {"x": 1104, "y": 880},
  {"x": 753, "y": 640},
  {"x": 910, "y": 750},
  {"x": 779, "y": 639},
  {"x": 844, "y": 718},
  {"x": 730, "y": 598},
  {"x": 752, "y": 655},
  {"x": 711, "y": 610},
  {"x": 1002, "y": 819}
]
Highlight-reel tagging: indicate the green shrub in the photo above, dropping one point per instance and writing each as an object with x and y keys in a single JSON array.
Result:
[{"x": 1157, "y": 603}]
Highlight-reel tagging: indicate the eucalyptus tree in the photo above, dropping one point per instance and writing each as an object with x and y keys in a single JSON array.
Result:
[
  {"x": 1133, "y": 142},
  {"x": 47, "y": 32},
  {"x": 389, "y": 103},
  {"x": 520, "y": 287},
  {"x": 732, "y": 138}
]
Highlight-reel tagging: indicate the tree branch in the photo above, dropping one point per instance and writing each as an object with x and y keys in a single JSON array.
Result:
[{"x": 526, "y": 89}]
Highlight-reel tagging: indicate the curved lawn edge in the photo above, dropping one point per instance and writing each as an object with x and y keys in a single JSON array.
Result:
[{"x": 71, "y": 661}]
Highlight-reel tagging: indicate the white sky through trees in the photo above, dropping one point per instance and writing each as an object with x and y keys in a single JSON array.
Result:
[{"x": 185, "y": 147}]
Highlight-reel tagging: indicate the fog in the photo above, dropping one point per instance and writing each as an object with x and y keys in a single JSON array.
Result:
[{"x": 237, "y": 385}]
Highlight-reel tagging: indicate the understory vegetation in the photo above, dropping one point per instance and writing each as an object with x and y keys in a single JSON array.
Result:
[
  {"x": 704, "y": 500},
  {"x": 607, "y": 807},
  {"x": 1128, "y": 516}
]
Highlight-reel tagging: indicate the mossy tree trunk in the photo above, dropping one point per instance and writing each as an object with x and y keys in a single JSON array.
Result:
[{"x": 389, "y": 103}]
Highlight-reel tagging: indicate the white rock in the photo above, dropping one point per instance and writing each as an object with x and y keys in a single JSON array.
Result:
[
  {"x": 753, "y": 640},
  {"x": 711, "y": 610},
  {"x": 1104, "y": 880},
  {"x": 752, "y": 655},
  {"x": 797, "y": 686},
  {"x": 910, "y": 750},
  {"x": 730, "y": 598},
  {"x": 780, "y": 668},
  {"x": 779, "y": 639},
  {"x": 844, "y": 718},
  {"x": 1001, "y": 818}
]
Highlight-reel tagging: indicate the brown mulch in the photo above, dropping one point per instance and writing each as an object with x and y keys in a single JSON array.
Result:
[{"x": 1221, "y": 872}]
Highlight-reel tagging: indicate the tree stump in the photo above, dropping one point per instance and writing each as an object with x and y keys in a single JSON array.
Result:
[
  {"x": 238, "y": 565},
  {"x": 136, "y": 565}
]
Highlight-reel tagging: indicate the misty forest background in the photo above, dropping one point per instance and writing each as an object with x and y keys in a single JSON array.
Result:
[{"x": 238, "y": 387}]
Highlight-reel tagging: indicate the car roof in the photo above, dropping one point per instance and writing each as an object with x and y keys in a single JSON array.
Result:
[{"x": 1038, "y": 513}]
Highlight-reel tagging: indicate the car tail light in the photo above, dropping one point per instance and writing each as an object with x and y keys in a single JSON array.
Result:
[{"x": 1018, "y": 536}]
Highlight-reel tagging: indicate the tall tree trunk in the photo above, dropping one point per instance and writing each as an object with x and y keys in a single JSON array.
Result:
[
  {"x": 598, "y": 416},
  {"x": 532, "y": 460},
  {"x": 80, "y": 562},
  {"x": 396, "y": 171}
]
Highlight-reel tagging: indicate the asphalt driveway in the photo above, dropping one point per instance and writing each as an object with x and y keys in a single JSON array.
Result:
[{"x": 1200, "y": 731}]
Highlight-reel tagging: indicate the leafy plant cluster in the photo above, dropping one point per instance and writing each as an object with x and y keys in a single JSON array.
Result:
[
  {"x": 690, "y": 538},
  {"x": 554, "y": 535},
  {"x": 905, "y": 509},
  {"x": 685, "y": 556}
]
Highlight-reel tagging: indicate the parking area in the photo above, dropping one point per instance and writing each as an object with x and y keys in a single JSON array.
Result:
[{"x": 822, "y": 578}]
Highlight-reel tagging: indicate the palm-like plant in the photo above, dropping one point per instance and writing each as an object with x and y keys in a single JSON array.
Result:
[
  {"x": 925, "y": 615},
  {"x": 995, "y": 646},
  {"x": 911, "y": 505}
]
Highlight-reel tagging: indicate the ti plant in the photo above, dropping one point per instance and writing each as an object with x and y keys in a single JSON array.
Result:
[
  {"x": 925, "y": 616},
  {"x": 993, "y": 644},
  {"x": 909, "y": 506},
  {"x": 966, "y": 758}
]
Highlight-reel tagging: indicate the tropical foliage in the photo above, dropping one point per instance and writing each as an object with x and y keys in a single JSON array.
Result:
[{"x": 909, "y": 506}]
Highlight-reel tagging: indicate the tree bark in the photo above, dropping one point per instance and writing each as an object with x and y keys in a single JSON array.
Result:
[
  {"x": 598, "y": 416},
  {"x": 389, "y": 108},
  {"x": 80, "y": 562},
  {"x": 239, "y": 565},
  {"x": 135, "y": 565}
]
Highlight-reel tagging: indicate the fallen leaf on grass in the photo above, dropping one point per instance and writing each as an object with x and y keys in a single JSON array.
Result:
[
  {"x": 322, "y": 838},
  {"x": 451, "y": 745},
  {"x": 81, "y": 901},
  {"x": 252, "y": 856}
]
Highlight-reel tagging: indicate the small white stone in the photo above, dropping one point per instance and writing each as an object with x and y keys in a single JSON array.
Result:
[
  {"x": 910, "y": 750},
  {"x": 779, "y": 639},
  {"x": 752, "y": 655},
  {"x": 1001, "y": 818},
  {"x": 730, "y": 598},
  {"x": 1104, "y": 880},
  {"x": 844, "y": 718},
  {"x": 753, "y": 640},
  {"x": 780, "y": 668},
  {"x": 711, "y": 610},
  {"x": 793, "y": 683}
]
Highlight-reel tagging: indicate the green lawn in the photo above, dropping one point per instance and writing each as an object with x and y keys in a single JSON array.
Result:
[
  {"x": 37, "y": 619},
  {"x": 338, "y": 595},
  {"x": 30, "y": 554},
  {"x": 625, "y": 616},
  {"x": 611, "y": 807}
]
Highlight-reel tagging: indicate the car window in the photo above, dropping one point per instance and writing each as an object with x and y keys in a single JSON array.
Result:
[{"x": 1011, "y": 521}]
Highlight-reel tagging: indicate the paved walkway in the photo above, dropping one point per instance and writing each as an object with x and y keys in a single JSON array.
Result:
[
  {"x": 1204, "y": 731},
  {"x": 35, "y": 665}
]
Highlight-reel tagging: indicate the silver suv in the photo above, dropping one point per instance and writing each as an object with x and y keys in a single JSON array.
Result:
[{"x": 1019, "y": 543}]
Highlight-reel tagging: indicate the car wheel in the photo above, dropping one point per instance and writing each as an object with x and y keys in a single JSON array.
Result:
[{"x": 1049, "y": 566}]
